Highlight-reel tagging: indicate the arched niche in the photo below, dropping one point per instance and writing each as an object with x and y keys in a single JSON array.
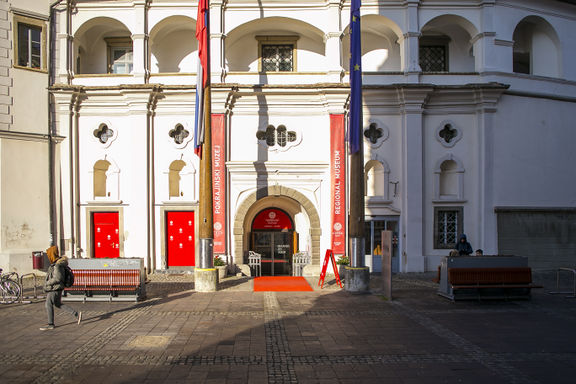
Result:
[
  {"x": 105, "y": 180},
  {"x": 537, "y": 49},
  {"x": 449, "y": 179},
  {"x": 181, "y": 180}
]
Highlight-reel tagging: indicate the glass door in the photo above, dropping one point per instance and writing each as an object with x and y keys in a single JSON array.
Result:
[
  {"x": 276, "y": 250},
  {"x": 373, "y": 242},
  {"x": 282, "y": 253}
]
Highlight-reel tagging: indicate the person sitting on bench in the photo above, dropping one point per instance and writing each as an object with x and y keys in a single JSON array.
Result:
[{"x": 463, "y": 246}]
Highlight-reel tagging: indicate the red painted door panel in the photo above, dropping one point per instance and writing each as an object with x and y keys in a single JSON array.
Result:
[
  {"x": 106, "y": 234},
  {"x": 180, "y": 245}
]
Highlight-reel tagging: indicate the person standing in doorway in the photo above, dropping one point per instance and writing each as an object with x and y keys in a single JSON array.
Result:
[
  {"x": 463, "y": 247},
  {"x": 54, "y": 286}
]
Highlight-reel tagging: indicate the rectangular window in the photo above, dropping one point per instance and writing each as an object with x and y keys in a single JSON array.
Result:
[
  {"x": 120, "y": 56},
  {"x": 29, "y": 43},
  {"x": 434, "y": 54},
  {"x": 277, "y": 58},
  {"x": 447, "y": 226},
  {"x": 277, "y": 53}
]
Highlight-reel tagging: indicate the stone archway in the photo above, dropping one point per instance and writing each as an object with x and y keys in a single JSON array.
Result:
[{"x": 277, "y": 190}]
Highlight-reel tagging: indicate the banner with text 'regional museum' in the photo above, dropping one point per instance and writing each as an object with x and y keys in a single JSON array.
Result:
[{"x": 338, "y": 180}]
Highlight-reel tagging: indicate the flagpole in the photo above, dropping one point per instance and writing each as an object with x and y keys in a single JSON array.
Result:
[
  {"x": 206, "y": 214},
  {"x": 205, "y": 275},
  {"x": 357, "y": 274}
]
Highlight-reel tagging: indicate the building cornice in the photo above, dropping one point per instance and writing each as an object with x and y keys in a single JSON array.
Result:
[{"x": 29, "y": 136}]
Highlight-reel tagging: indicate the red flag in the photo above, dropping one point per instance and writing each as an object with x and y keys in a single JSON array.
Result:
[{"x": 203, "y": 36}]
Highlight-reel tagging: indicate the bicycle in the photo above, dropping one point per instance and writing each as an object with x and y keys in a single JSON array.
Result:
[{"x": 10, "y": 287}]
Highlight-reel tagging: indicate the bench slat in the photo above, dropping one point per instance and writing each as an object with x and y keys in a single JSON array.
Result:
[
  {"x": 490, "y": 276},
  {"x": 105, "y": 280}
]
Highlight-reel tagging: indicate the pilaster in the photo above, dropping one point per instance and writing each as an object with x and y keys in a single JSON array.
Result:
[
  {"x": 486, "y": 105},
  {"x": 409, "y": 43},
  {"x": 412, "y": 101}
]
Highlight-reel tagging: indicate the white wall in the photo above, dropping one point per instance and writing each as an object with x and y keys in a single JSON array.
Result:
[{"x": 532, "y": 151}]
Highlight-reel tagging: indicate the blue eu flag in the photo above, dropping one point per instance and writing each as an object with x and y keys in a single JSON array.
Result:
[{"x": 355, "y": 123}]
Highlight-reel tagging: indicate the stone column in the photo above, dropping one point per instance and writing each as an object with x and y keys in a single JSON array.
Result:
[
  {"x": 217, "y": 40},
  {"x": 409, "y": 43},
  {"x": 334, "y": 56},
  {"x": 140, "y": 71}
]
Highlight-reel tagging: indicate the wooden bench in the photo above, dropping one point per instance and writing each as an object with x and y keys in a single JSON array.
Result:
[
  {"x": 504, "y": 282},
  {"x": 112, "y": 281}
]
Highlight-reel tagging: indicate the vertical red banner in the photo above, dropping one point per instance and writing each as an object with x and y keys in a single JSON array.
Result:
[
  {"x": 338, "y": 179},
  {"x": 219, "y": 182}
]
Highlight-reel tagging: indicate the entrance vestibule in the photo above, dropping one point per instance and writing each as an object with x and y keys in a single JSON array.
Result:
[{"x": 274, "y": 238}]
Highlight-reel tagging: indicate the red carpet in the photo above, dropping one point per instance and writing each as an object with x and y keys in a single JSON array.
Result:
[{"x": 281, "y": 284}]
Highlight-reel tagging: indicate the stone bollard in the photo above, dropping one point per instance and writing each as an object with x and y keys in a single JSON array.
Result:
[
  {"x": 205, "y": 280},
  {"x": 357, "y": 279}
]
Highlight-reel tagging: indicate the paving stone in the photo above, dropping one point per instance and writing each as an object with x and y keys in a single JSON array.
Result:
[{"x": 236, "y": 335}]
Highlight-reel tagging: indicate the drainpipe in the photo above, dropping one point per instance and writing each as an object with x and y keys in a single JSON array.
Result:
[{"x": 52, "y": 128}]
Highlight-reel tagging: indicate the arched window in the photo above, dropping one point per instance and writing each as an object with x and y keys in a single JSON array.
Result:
[
  {"x": 100, "y": 178},
  {"x": 174, "y": 178}
]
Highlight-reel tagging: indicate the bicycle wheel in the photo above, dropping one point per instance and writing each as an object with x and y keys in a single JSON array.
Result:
[{"x": 11, "y": 291}]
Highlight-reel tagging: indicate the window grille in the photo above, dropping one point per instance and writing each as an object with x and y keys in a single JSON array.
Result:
[
  {"x": 448, "y": 226},
  {"x": 277, "y": 57},
  {"x": 434, "y": 58}
]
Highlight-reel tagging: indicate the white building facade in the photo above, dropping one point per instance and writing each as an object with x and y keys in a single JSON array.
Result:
[
  {"x": 28, "y": 145},
  {"x": 468, "y": 128}
]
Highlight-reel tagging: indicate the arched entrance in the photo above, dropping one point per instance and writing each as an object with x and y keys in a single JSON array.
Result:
[
  {"x": 299, "y": 208},
  {"x": 274, "y": 237}
]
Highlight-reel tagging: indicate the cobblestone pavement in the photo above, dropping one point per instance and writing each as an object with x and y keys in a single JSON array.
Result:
[{"x": 327, "y": 336}]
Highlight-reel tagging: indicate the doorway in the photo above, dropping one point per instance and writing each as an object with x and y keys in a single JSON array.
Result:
[
  {"x": 106, "y": 234},
  {"x": 274, "y": 238},
  {"x": 373, "y": 242},
  {"x": 276, "y": 250},
  {"x": 180, "y": 239}
]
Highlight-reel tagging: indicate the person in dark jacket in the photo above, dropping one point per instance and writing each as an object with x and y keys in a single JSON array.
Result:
[
  {"x": 54, "y": 285},
  {"x": 463, "y": 247}
]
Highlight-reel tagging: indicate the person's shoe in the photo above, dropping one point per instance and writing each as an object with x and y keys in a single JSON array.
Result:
[
  {"x": 79, "y": 317},
  {"x": 48, "y": 327}
]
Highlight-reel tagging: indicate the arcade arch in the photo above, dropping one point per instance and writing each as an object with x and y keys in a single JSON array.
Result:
[
  {"x": 172, "y": 46},
  {"x": 93, "y": 42}
]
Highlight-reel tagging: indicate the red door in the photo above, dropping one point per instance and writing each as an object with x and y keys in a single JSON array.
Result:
[
  {"x": 106, "y": 234},
  {"x": 180, "y": 244}
]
